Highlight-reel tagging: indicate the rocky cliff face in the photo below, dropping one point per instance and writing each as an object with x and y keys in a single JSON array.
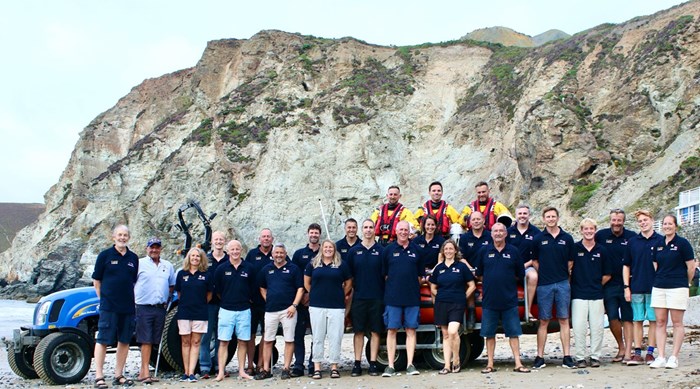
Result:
[{"x": 262, "y": 129}]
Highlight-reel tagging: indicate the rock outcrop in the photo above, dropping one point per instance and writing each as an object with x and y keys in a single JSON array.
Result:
[
  {"x": 262, "y": 129},
  {"x": 510, "y": 37}
]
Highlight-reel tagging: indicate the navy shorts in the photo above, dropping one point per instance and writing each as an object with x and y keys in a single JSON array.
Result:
[
  {"x": 401, "y": 317},
  {"x": 366, "y": 316},
  {"x": 149, "y": 323},
  {"x": 115, "y": 327},
  {"x": 445, "y": 313},
  {"x": 556, "y": 295},
  {"x": 257, "y": 318},
  {"x": 509, "y": 318},
  {"x": 616, "y": 307}
]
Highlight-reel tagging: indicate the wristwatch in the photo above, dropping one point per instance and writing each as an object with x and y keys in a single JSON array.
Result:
[
  {"x": 625, "y": 286},
  {"x": 295, "y": 305}
]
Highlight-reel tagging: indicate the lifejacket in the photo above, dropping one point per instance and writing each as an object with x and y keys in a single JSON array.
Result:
[
  {"x": 386, "y": 225},
  {"x": 489, "y": 216},
  {"x": 443, "y": 222}
]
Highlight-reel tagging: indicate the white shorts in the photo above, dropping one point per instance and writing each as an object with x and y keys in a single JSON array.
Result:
[
  {"x": 675, "y": 298},
  {"x": 187, "y": 327},
  {"x": 273, "y": 319}
]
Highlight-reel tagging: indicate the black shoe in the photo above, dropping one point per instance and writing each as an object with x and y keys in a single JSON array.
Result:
[
  {"x": 296, "y": 373},
  {"x": 568, "y": 362},
  {"x": 539, "y": 363},
  {"x": 263, "y": 375},
  {"x": 285, "y": 375},
  {"x": 356, "y": 370},
  {"x": 373, "y": 370}
]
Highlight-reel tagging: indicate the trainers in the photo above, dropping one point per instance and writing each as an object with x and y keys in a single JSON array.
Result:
[
  {"x": 296, "y": 373},
  {"x": 184, "y": 378},
  {"x": 672, "y": 362},
  {"x": 595, "y": 362},
  {"x": 373, "y": 370},
  {"x": 192, "y": 378},
  {"x": 568, "y": 362},
  {"x": 635, "y": 360},
  {"x": 649, "y": 359},
  {"x": 263, "y": 375},
  {"x": 411, "y": 370},
  {"x": 539, "y": 363},
  {"x": 659, "y": 363},
  {"x": 205, "y": 376},
  {"x": 389, "y": 372},
  {"x": 581, "y": 364},
  {"x": 356, "y": 370},
  {"x": 285, "y": 374}
]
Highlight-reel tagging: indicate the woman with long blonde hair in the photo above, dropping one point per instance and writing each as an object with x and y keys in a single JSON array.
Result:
[
  {"x": 328, "y": 280},
  {"x": 194, "y": 288}
]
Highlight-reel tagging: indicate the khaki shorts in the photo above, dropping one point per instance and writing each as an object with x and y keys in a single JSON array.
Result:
[
  {"x": 675, "y": 298},
  {"x": 273, "y": 319},
  {"x": 187, "y": 327}
]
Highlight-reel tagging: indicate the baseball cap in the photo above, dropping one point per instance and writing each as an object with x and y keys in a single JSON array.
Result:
[{"x": 153, "y": 241}]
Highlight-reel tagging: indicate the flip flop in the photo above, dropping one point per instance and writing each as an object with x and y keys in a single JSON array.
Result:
[
  {"x": 335, "y": 373},
  {"x": 521, "y": 369},
  {"x": 487, "y": 370},
  {"x": 444, "y": 371},
  {"x": 618, "y": 358}
]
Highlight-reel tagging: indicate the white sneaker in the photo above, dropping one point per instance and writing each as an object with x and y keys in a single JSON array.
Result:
[
  {"x": 659, "y": 363},
  {"x": 672, "y": 362}
]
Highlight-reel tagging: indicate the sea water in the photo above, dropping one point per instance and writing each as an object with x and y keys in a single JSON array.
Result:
[{"x": 14, "y": 314}]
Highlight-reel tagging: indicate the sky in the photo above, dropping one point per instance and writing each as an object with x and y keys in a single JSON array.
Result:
[{"x": 66, "y": 61}]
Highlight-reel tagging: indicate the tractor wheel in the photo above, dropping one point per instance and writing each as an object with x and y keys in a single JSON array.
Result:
[{"x": 62, "y": 358}]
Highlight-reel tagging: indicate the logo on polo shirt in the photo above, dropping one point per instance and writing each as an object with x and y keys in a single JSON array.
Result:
[
  {"x": 512, "y": 236},
  {"x": 422, "y": 245},
  {"x": 492, "y": 255},
  {"x": 470, "y": 244},
  {"x": 674, "y": 247},
  {"x": 227, "y": 273},
  {"x": 624, "y": 242},
  {"x": 130, "y": 264},
  {"x": 529, "y": 237},
  {"x": 343, "y": 250},
  {"x": 374, "y": 252},
  {"x": 271, "y": 271},
  {"x": 441, "y": 271},
  {"x": 412, "y": 255},
  {"x": 580, "y": 254},
  {"x": 359, "y": 252},
  {"x": 484, "y": 243},
  {"x": 596, "y": 255},
  {"x": 544, "y": 242},
  {"x": 305, "y": 256},
  {"x": 436, "y": 246},
  {"x": 201, "y": 277},
  {"x": 396, "y": 254},
  {"x": 115, "y": 262},
  {"x": 455, "y": 270},
  {"x": 608, "y": 240},
  {"x": 506, "y": 256},
  {"x": 244, "y": 274},
  {"x": 285, "y": 270},
  {"x": 562, "y": 242},
  {"x": 258, "y": 258},
  {"x": 185, "y": 278}
]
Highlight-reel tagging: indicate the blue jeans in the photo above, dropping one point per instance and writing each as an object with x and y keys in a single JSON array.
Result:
[
  {"x": 205, "y": 353},
  {"x": 303, "y": 321}
]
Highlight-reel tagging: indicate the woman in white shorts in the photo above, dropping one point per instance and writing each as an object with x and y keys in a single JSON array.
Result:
[
  {"x": 194, "y": 288},
  {"x": 675, "y": 266}
]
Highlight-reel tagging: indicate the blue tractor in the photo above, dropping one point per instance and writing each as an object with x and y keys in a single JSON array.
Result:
[{"x": 58, "y": 346}]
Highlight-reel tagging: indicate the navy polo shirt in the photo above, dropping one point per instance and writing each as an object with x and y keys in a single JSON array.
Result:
[
  {"x": 501, "y": 271},
  {"x": 588, "y": 271},
  {"x": 213, "y": 264},
  {"x": 344, "y": 247},
  {"x": 303, "y": 256},
  {"x": 429, "y": 251},
  {"x": 553, "y": 255},
  {"x": 235, "y": 285},
  {"x": 327, "y": 285},
  {"x": 192, "y": 295},
  {"x": 117, "y": 274},
  {"x": 282, "y": 284},
  {"x": 258, "y": 260},
  {"x": 639, "y": 258},
  {"x": 451, "y": 282},
  {"x": 616, "y": 246},
  {"x": 523, "y": 241},
  {"x": 670, "y": 258},
  {"x": 469, "y": 244},
  {"x": 366, "y": 267},
  {"x": 401, "y": 268}
]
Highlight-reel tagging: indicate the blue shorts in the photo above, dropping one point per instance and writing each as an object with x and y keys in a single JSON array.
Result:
[
  {"x": 616, "y": 307},
  {"x": 149, "y": 323},
  {"x": 556, "y": 295},
  {"x": 230, "y": 321},
  {"x": 510, "y": 320},
  {"x": 641, "y": 307},
  {"x": 401, "y": 317},
  {"x": 115, "y": 327}
]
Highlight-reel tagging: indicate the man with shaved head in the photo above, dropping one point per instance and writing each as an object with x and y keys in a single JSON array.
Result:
[{"x": 233, "y": 283}]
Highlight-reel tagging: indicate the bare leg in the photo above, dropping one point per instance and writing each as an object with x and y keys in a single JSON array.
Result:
[
  {"x": 100, "y": 354},
  {"x": 638, "y": 333},
  {"x": 410, "y": 344},
  {"x": 542, "y": 337},
  {"x": 358, "y": 340},
  {"x": 446, "y": 347},
  {"x": 490, "y": 350},
  {"x": 288, "y": 354},
  {"x": 652, "y": 333},
  {"x": 145, "y": 360},
  {"x": 627, "y": 333},
  {"x": 223, "y": 356},
  {"x": 616, "y": 330},
  {"x": 267, "y": 355},
  {"x": 242, "y": 353},
  {"x": 678, "y": 330},
  {"x": 374, "y": 347},
  {"x": 453, "y": 334},
  {"x": 565, "y": 336},
  {"x": 186, "y": 345},
  {"x": 515, "y": 347},
  {"x": 532, "y": 277},
  {"x": 661, "y": 323},
  {"x": 195, "y": 343},
  {"x": 391, "y": 346}
]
